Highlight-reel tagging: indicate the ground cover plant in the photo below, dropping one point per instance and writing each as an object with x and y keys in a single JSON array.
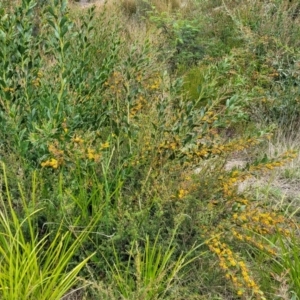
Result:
[{"x": 131, "y": 134}]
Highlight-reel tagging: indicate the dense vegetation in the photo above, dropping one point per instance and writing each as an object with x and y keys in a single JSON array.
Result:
[{"x": 149, "y": 150}]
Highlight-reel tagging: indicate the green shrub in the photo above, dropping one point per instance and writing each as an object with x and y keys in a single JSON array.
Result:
[{"x": 117, "y": 138}]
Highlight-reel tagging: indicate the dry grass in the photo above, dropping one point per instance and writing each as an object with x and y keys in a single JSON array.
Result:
[
  {"x": 280, "y": 19},
  {"x": 132, "y": 7}
]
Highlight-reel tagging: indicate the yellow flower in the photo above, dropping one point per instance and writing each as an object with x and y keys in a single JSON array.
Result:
[
  {"x": 92, "y": 155},
  {"x": 242, "y": 264},
  {"x": 53, "y": 163},
  {"x": 105, "y": 145},
  {"x": 181, "y": 193},
  {"x": 232, "y": 262},
  {"x": 78, "y": 140},
  {"x": 7, "y": 89},
  {"x": 217, "y": 250},
  {"x": 243, "y": 218},
  {"x": 173, "y": 146},
  {"x": 235, "y": 173}
]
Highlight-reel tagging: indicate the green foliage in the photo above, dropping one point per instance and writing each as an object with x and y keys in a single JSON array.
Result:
[
  {"x": 121, "y": 146},
  {"x": 45, "y": 81},
  {"x": 289, "y": 260},
  {"x": 272, "y": 50},
  {"x": 150, "y": 272},
  {"x": 182, "y": 36},
  {"x": 34, "y": 266}
]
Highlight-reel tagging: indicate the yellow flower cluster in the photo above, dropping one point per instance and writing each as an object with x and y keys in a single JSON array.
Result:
[
  {"x": 58, "y": 157},
  {"x": 256, "y": 220},
  {"x": 187, "y": 185},
  {"x": 283, "y": 159},
  {"x": 73, "y": 151},
  {"x": 104, "y": 145},
  {"x": 92, "y": 155},
  {"x": 241, "y": 144},
  {"x": 242, "y": 221},
  {"x": 37, "y": 81},
  {"x": 153, "y": 83},
  {"x": 168, "y": 145},
  {"x": 77, "y": 140},
  {"x": 209, "y": 117},
  {"x": 8, "y": 89},
  {"x": 115, "y": 81},
  {"x": 206, "y": 148},
  {"x": 229, "y": 183},
  {"x": 235, "y": 269},
  {"x": 139, "y": 105},
  {"x": 182, "y": 193},
  {"x": 255, "y": 241},
  {"x": 53, "y": 163}
]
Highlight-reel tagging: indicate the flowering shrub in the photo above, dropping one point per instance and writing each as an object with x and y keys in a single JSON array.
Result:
[{"x": 115, "y": 137}]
